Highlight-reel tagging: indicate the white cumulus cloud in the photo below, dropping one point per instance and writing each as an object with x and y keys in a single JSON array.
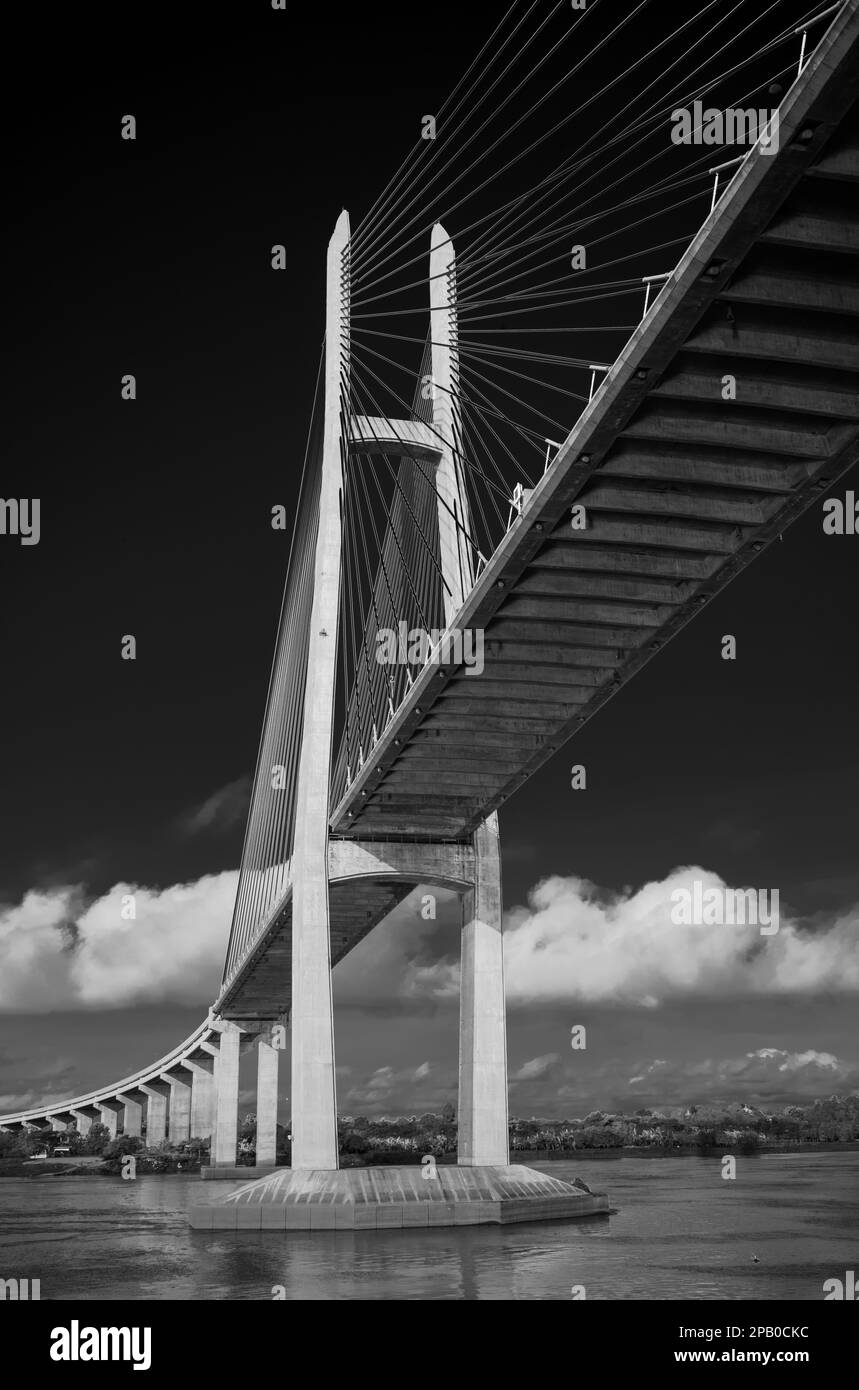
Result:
[
  {"x": 56, "y": 955},
  {"x": 574, "y": 942}
]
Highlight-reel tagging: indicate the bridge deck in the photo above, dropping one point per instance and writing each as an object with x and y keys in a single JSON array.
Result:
[{"x": 682, "y": 488}]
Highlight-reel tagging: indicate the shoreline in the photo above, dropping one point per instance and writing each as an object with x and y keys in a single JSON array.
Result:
[
  {"x": 687, "y": 1151},
  {"x": 61, "y": 1168}
]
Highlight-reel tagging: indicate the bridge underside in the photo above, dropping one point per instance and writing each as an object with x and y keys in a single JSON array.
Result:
[
  {"x": 366, "y": 882},
  {"x": 683, "y": 486}
]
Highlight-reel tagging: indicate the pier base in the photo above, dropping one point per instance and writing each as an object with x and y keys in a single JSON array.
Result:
[{"x": 389, "y": 1197}]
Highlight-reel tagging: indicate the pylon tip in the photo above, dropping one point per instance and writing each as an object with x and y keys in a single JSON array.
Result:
[{"x": 342, "y": 229}]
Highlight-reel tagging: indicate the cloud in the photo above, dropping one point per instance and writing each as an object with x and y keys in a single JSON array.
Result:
[
  {"x": 393, "y": 1091},
  {"x": 405, "y": 961},
  {"x": 59, "y": 955},
  {"x": 537, "y": 1068},
  {"x": 221, "y": 811},
  {"x": 574, "y": 942},
  {"x": 767, "y": 1074},
  {"x": 13, "y": 1101},
  {"x": 797, "y": 1061},
  {"x": 385, "y": 1080}
]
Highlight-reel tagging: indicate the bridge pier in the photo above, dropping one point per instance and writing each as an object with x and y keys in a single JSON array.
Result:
[
  {"x": 156, "y": 1093},
  {"x": 267, "y": 1079},
  {"x": 202, "y": 1097},
  {"x": 482, "y": 1111},
  {"x": 180, "y": 1105},
  {"x": 132, "y": 1120},
  {"x": 225, "y": 1136},
  {"x": 110, "y": 1113},
  {"x": 84, "y": 1119}
]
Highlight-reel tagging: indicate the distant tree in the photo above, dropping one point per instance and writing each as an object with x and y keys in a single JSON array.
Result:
[
  {"x": 749, "y": 1142},
  {"x": 448, "y": 1113},
  {"x": 706, "y": 1138},
  {"x": 97, "y": 1140},
  {"x": 354, "y": 1143},
  {"x": 122, "y": 1145},
  {"x": 12, "y": 1146}
]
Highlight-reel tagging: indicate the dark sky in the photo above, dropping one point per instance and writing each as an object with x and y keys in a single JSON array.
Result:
[{"x": 255, "y": 127}]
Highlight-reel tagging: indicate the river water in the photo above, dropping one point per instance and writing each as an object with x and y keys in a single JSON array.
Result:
[{"x": 680, "y": 1231}]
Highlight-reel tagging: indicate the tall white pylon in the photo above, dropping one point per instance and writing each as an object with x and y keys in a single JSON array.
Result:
[
  {"x": 314, "y": 1101},
  {"x": 453, "y": 519}
]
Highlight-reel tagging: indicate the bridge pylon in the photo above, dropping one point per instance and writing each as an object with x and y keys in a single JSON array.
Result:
[
  {"x": 338, "y": 887},
  {"x": 482, "y": 1071}
]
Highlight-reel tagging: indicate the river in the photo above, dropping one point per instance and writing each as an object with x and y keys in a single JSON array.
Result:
[{"x": 680, "y": 1231}]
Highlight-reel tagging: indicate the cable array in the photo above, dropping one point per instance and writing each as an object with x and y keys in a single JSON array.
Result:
[
  {"x": 267, "y": 848},
  {"x": 567, "y": 203},
  {"x": 556, "y": 262}
]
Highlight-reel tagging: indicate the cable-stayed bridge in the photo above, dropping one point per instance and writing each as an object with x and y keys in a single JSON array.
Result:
[{"x": 492, "y": 538}]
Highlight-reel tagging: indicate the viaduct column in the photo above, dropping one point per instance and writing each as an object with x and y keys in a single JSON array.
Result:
[
  {"x": 267, "y": 1076},
  {"x": 202, "y": 1096},
  {"x": 111, "y": 1110},
  {"x": 132, "y": 1122},
  {"x": 314, "y": 1106},
  {"x": 84, "y": 1122},
  {"x": 225, "y": 1136},
  {"x": 179, "y": 1081},
  {"x": 157, "y": 1093}
]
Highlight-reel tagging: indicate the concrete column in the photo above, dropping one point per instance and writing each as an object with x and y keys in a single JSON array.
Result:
[
  {"x": 453, "y": 517},
  {"x": 226, "y": 1134},
  {"x": 156, "y": 1093},
  {"x": 111, "y": 1110},
  {"x": 56, "y": 1123},
  {"x": 267, "y": 1069},
  {"x": 314, "y": 1103},
  {"x": 482, "y": 1024},
  {"x": 83, "y": 1122},
  {"x": 132, "y": 1120},
  {"x": 202, "y": 1097},
  {"x": 180, "y": 1105}
]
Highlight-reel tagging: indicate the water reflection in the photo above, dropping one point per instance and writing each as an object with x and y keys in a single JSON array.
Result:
[{"x": 679, "y": 1231}]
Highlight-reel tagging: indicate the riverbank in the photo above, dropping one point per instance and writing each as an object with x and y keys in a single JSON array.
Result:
[
  {"x": 95, "y": 1166},
  {"x": 687, "y": 1151},
  {"x": 88, "y": 1166}
]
